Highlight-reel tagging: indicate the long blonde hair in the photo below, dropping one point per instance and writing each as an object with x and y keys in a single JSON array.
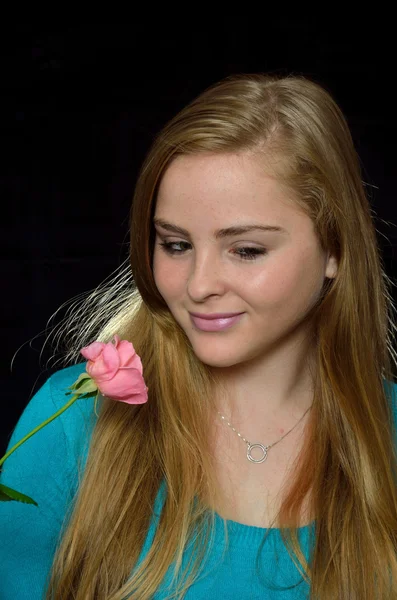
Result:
[{"x": 348, "y": 463}]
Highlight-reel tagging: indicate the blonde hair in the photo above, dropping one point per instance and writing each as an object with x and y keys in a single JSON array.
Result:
[{"x": 348, "y": 463}]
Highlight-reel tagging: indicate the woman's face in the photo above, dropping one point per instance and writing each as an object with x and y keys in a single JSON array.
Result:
[{"x": 205, "y": 264}]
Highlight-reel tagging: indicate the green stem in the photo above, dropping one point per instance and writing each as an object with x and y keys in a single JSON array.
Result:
[{"x": 60, "y": 411}]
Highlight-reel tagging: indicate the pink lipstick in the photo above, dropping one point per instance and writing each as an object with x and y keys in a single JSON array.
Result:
[{"x": 215, "y": 321}]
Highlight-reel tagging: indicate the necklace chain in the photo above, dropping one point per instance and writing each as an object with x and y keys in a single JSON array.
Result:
[{"x": 263, "y": 448}]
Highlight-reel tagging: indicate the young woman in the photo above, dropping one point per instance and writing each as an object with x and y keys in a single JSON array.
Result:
[{"x": 263, "y": 464}]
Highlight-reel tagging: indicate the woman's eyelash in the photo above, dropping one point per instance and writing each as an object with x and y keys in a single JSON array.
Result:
[
  {"x": 245, "y": 253},
  {"x": 250, "y": 253}
]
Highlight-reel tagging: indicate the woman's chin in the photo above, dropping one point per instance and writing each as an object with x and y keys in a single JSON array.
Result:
[{"x": 219, "y": 360}]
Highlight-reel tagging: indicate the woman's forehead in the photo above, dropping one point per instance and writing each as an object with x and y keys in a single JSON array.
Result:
[{"x": 235, "y": 184}]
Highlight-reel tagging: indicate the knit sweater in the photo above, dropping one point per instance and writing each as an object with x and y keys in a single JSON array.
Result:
[{"x": 48, "y": 467}]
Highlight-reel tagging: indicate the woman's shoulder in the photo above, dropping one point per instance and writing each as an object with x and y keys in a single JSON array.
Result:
[
  {"x": 47, "y": 467},
  {"x": 65, "y": 440},
  {"x": 67, "y": 374},
  {"x": 79, "y": 419},
  {"x": 50, "y": 398},
  {"x": 60, "y": 381}
]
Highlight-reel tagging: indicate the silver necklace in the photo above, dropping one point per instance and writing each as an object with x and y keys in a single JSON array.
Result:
[{"x": 251, "y": 446}]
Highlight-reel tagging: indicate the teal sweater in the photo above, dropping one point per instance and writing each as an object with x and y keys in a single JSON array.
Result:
[{"x": 47, "y": 468}]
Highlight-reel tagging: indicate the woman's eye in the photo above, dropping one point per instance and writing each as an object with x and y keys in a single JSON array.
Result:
[
  {"x": 250, "y": 253},
  {"x": 245, "y": 253},
  {"x": 170, "y": 249}
]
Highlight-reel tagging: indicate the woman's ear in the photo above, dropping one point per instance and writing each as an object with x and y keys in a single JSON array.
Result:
[{"x": 331, "y": 267}]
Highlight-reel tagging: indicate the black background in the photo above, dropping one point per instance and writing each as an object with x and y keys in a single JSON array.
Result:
[{"x": 80, "y": 105}]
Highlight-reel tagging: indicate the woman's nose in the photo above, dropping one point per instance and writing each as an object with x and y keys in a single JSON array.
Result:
[{"x": 206, "y": 278}]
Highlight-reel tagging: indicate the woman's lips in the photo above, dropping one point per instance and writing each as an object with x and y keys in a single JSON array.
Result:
[{"x": 211, "y": 323}]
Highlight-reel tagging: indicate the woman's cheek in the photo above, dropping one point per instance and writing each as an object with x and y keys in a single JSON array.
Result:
[{"x": 168, "y": 277}]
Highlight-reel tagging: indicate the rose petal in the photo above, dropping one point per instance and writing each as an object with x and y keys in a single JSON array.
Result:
[
  {"x": 122, "y": 384},
  {"x": 111, "y": 357},
  {"x": 134, "y": 363},
  {"x": 117, "y": 370},
  {"x": 135, "y": 379},
  {"x": 106, "y": 365},
  {"x": 126, "y": 352},
  {"x": 127, "y": 383},
  {"x": 136, "y": 399},
  {"x": 92, "y": 351}
]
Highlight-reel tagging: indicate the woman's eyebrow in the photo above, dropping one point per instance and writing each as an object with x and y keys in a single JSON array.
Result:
[{"x": 221, "y": 233}]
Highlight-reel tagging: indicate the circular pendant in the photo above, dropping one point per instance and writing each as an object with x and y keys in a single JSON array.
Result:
[{"x": 257, "y": 460}]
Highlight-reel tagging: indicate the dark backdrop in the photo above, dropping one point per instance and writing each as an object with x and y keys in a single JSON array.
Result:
[{"x": 80, "y": 105}]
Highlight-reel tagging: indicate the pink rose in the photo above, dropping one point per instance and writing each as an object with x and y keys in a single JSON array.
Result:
[{"x": 117, "y": 370}]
